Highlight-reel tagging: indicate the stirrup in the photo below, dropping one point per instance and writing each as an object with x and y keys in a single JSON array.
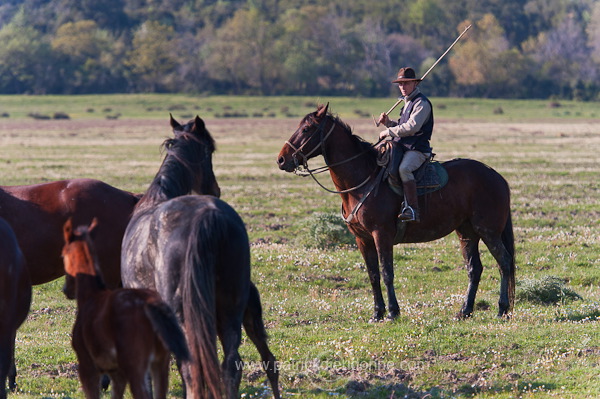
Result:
[{"x": 408, "y": 214}]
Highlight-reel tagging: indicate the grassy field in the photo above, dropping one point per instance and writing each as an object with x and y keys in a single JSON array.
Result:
[{"x": 317, "y": 302}]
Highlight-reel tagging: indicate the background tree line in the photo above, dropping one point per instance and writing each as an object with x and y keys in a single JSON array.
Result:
[{"x": 516, "y": 48}]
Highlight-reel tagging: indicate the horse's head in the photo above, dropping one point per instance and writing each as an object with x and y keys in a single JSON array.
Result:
[
  {"x": 77, "y": 253},
  {"x": 195, "y": 132},
  {"x": 306, "y": 142}
]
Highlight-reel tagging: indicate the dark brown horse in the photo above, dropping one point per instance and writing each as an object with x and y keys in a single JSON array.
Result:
[
  {"x": 475, "y": 203},
  {"x": 194, "y": 250},
  {"x": 38, "y": 212},
  {"x": 127, "y": 333},
  {"x": 15, "y": 299}
]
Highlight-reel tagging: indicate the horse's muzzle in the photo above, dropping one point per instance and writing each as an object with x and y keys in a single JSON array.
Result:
[{"x": 285, "y": 165}]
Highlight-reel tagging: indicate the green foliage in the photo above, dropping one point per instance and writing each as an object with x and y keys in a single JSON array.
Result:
[
  {"x": 299, "y": 47},
  {"x": 324, "y": 230},
  {"x": 548, "y": 290}
]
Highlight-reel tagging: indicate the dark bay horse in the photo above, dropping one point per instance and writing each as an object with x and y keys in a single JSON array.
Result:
[
  {"x": 194, "y": 250},
  {"x": 38, "y": 212},
  {"x": 127, "y": 333},
  {"x": 15, "y": 299},
  {"x": 475, "y": 203}
]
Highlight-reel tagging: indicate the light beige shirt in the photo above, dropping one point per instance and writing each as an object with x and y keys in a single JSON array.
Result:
[{"x": 421, "y": 112}]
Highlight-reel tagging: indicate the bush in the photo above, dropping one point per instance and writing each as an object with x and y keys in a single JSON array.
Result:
[
  {"x": 548, "y": 290},
  {"x": 325, "y": 230},
  {"x": 61, "y": 115}
]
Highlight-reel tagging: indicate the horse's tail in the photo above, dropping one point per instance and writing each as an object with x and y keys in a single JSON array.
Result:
[
  {"x": 508, "y": 239},
  {"x": 167, "y": 327},
  {"x": 199, "y": 303}
]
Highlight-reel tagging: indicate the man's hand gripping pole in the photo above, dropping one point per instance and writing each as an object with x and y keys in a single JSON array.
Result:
[{"x": 426, "y": 73}]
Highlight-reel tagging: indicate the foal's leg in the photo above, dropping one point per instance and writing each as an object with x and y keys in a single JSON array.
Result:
[
  {"x": 369, "y": 253},
  {"x": 160, "y": 375},
  {"x": 255, "y": 328},
  {"x": 89, "y": 377},
  {"x": 138, "y": 382},
  {"x": 470, "y": 249},
  {"x": 119, "y": 383}
]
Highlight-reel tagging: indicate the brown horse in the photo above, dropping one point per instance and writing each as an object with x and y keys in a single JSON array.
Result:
[
  {"x": 475, "y": 203},
  {"x": 126, "y": 333},
  {"x": 38, "y": 212},
  {"x": 15, "y": 299}
]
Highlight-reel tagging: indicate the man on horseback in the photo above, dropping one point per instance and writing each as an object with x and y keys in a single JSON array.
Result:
[{"x": 412, "y": 132}]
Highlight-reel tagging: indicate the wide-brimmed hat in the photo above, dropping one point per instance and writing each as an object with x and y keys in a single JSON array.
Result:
[{"x": 406, "y": 75}]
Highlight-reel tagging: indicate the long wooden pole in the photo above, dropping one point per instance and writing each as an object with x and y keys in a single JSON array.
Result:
[{"x": 426, "y": 73}]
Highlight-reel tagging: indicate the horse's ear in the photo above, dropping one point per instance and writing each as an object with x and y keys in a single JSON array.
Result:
[
  {"x": 199, "y": 124},
  {"x": 322, "y": 110},
  {"x": 68, "y": 230},
  {"x": 174, "y": 124}
]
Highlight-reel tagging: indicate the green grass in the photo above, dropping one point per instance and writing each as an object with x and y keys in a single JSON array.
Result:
[
  {"x": 158, "y": 106},
  {"x": 317, "y": 303}
]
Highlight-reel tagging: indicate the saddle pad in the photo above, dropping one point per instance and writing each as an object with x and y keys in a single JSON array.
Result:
[
  {"x": 430, "y": 177},
  {"x": 433, "y": 177}
]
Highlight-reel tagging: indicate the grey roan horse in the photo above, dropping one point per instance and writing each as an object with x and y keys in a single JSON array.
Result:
[{"x": 194, "y": 250}]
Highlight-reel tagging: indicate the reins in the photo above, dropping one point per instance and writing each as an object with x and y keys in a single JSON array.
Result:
[{"x": 311, "y": 172}]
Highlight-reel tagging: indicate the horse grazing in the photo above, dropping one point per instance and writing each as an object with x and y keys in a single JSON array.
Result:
[
  {"x": 15, "y": 299},
  {"x": 475, "y": 203},
  {"x": 38, "y": 212},
  {"x": 194, "y": 250},
  {"x": 126, "y": 333}
]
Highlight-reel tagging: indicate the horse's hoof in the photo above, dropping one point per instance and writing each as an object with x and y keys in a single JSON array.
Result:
[
  {"x": 392, "y": 316},
  {"x": 376, "y": 318},
  {"x": 504, "y": 315},
  {"x": 464, "y": 315}
]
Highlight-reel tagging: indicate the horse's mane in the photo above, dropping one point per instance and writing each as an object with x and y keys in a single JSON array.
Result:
[
  {"x": 362, "y": 144},
  {"x": 184, "y": 153}
]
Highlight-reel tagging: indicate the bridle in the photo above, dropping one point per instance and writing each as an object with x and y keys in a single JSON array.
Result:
[{"x": 302, "y": 169}]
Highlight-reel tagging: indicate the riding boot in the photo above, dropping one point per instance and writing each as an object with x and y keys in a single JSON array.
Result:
[{"x": 410, "y": 212}]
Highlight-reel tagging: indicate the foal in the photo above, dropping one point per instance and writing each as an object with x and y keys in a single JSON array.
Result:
[{"x": 125, "y": 333}]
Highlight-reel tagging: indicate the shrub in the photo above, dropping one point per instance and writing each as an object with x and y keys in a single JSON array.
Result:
[
  {"x": 548, "y": 290},
  {"x": 61, "y": 115},
  {"x": 38, "y": 116},
  {"x": 325, "y": 230}
]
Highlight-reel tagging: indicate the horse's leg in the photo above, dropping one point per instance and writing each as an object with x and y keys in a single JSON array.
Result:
[
  {"x": 506, "y": 265},
  {"x": 8, "y": 369},
  {"x": 255, "y": 328},
  {"x": 385, "y": 251},
  {"x": 89, "y": 377},
  {"x": 469, "y": 245},
  {"x": 6, "y": 363},
  {"x": 160, "y": 375},
  {"x": 119, "y": 383},
  {"x": 230, "y": 335},
  {"x": 369, "y": 253}
]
